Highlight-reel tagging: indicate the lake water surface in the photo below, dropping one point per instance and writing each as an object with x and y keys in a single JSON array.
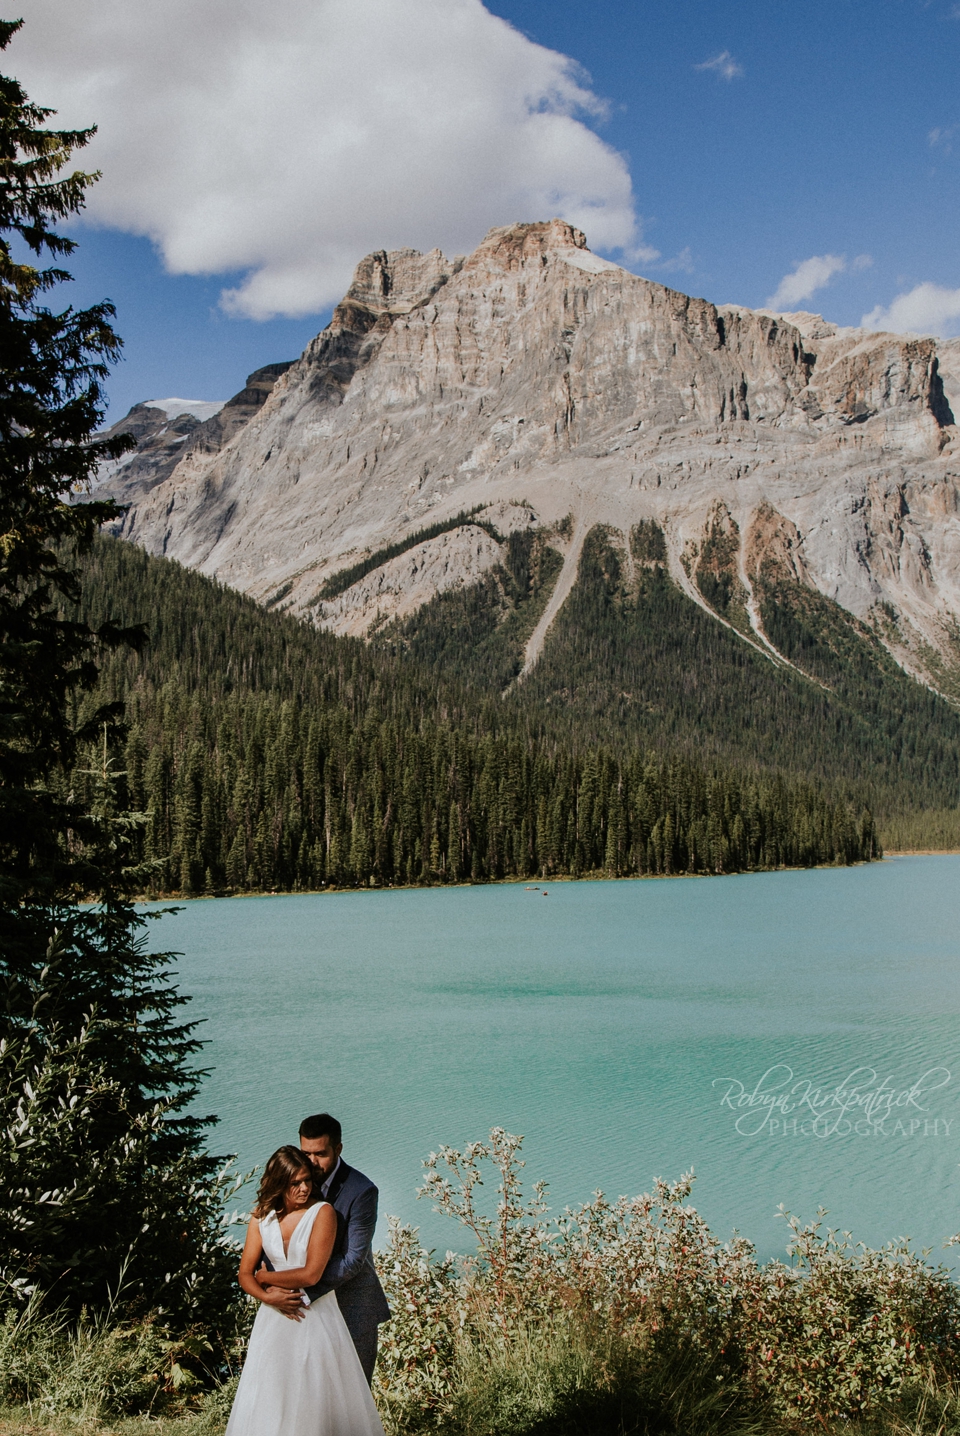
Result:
[{"x": 617, "y": 1025}]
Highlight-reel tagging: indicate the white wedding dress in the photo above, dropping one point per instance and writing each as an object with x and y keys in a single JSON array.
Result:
[{"x": 301, "y": 1378}]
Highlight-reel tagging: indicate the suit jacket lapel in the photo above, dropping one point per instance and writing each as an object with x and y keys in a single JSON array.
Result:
[{"x": 343, "y": 1172}]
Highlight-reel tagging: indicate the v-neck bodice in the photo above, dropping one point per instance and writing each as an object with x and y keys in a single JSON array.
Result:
[{"x": 272, "y": 1238}]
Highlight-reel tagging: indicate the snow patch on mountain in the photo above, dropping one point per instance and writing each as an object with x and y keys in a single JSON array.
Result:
[{"x": 201, "y": 409}]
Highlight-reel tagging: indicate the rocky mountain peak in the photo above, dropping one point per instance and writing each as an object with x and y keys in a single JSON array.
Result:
[
  {"x": 395, "y": 281},
  {"x": 513, "y": 246},
  {"x": 536, "y": 377}
]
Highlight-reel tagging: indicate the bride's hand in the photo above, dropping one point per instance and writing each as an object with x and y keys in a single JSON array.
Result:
[{"x": 288, "y": 1303}]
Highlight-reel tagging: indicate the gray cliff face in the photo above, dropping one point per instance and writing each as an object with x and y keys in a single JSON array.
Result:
[
  {"x": 535, "y": 374},
  {"x": 166, "y": 433}
]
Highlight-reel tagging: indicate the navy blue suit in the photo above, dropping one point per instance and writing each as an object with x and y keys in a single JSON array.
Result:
[{"x": 350, "y": 1272}]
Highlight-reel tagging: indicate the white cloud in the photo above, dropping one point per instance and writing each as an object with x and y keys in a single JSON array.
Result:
[
  {"x": 281, "y": 140},
  {"x": 926, "y": 309},
  {"x": 724, "y": 65},
  {"x": 681, "y": 263},
  {"x": 641, "y": 254},
  {"x": 939, "y": 138},
  {"x": 807, "y": 278}
]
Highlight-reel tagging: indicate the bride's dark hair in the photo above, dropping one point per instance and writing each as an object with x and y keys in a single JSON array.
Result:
[{"x": 283, "y": 1167}]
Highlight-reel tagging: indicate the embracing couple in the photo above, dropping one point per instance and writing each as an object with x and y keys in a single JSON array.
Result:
[{"x": 308, "y": 1260}]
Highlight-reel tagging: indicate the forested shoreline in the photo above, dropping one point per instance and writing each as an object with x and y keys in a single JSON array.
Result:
[
  {"x": 632, "y": 662},
  {"x": 276, "y": 799},
  {"x": 264, "y": 756}
]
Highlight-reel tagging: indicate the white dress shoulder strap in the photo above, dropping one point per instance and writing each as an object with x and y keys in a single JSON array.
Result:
[
  {"x": 272, "y": 1240},
  {"x": 300, "y": 1236}
]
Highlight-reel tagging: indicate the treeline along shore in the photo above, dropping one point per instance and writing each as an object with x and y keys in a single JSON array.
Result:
[{"x": 267, "y": 756}]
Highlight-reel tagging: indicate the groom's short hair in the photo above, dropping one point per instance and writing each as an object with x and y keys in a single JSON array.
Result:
[{"x": 322, "y": 1125}]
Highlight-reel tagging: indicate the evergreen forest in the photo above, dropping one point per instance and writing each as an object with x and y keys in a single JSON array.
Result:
[
  {"x": 634, "y": 662},
  {"x": 264, "y": 755}
]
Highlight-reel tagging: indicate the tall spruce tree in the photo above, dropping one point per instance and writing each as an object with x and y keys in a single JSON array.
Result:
[{"x": 106, "y": 1190}]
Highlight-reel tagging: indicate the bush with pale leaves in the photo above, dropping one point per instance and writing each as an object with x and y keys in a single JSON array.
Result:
[{"x": 634, "y": 1306}]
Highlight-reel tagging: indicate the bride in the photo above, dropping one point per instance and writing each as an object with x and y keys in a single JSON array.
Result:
[{"x": 302, "y": 1375}]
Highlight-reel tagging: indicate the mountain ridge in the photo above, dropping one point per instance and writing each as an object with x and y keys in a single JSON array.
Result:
[{"x": 536, "y": 380}]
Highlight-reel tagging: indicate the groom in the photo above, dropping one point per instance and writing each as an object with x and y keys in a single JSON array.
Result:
[{"x": 350, "y": 1272}]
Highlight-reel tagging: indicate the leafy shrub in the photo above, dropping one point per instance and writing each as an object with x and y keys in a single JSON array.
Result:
[
  {"x": 631, "y": 1315},
  {"x": 417, "y": 1363},
  {"x": 845, "y": 1326}
]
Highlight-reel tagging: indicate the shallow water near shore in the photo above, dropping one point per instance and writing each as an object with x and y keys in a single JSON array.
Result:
[{"x": 794, "y": 1037}]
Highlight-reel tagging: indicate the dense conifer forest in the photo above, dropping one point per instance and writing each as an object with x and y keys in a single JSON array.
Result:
[
  {"x": 265, "y": 755},
  {"x": 631, "y": 660}
]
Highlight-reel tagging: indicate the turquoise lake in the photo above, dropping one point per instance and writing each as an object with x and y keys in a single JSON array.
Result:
[{"x": 794, "y": 1037}]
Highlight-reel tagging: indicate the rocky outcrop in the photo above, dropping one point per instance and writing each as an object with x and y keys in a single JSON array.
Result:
[
  {"x": 167, "y": 430},
  {"x": 402, "y": 585},
  {"x": 774, "y": 548},
  {"x": 162, "y": 429},
  {"x": 533, "y": 371}
]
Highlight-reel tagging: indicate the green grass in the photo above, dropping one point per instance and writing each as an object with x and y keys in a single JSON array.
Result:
[
  {"x": 24, "y": 1422},
  {"x": 550, "y": 1391},
  {"x": 102, "y": 1373}
]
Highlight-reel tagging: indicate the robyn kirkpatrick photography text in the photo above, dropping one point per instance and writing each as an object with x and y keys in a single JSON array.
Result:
[{"x": 866, "y": 1103}]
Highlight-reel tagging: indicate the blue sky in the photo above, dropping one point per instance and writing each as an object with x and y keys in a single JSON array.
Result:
[
  {"x": 821, "y": 145},
  {"x": 758, "y": 136}
]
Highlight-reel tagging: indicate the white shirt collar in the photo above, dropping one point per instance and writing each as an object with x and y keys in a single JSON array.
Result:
[{"x": 326, "y": 1185}]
